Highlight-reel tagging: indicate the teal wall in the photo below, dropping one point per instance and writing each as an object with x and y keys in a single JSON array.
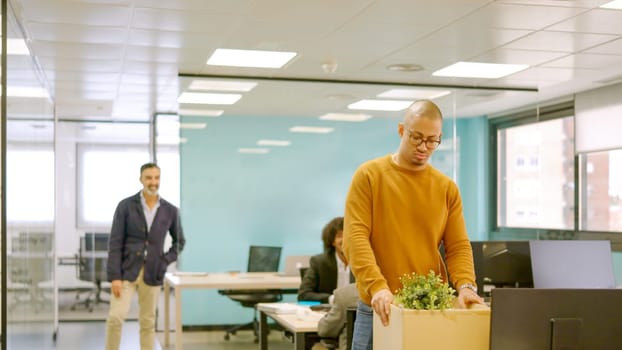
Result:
[{"x": 231, "y": 200}]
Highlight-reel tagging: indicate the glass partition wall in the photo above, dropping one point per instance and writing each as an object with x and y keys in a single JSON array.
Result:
[{"x": 29, "y": 197}]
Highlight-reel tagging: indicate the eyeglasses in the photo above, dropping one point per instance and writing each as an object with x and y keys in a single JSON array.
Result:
[{"x": 416, "y": 140}]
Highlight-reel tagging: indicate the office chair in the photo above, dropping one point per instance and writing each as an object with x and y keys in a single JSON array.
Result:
[
  {"x": 260, "y": 259},
  {"x": 91, "y": 267}
]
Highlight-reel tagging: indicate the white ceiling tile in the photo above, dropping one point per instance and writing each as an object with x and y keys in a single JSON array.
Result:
[
  {"x": 165, "y": 55},
  {"x": 52, "y": 63},
  {"x": 224, "y": 6},
  {"x": 47, "y": 11},
  {"x": 550, "y": 74},
  {"x": 93, "y": 77},
  {"x": 192, "y": 21},
  {"x": 594, "y": 21},
  {"x": 511, "y": 56},
  {"x": 170, "y": 39},
  {"x": 153, "y": 68},
  {"x": 500, "y": 15},
  {"x": 611, "y": 48},
  {"x": 563, "y": 3},
  {"x": 83, "y": 108},
  {"x": 76, "y": 33},
  {"x": 77, "y": 50},
  {"x": 583, "y": 60},
  {"x": 559, "y": 41}
]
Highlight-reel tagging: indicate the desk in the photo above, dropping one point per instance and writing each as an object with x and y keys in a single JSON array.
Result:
[
  {"x": 291, "y": 322},
  {"x": 245, "y": 280}
]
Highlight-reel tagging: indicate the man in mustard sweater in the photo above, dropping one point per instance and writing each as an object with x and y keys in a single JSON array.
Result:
[{"x": 399, "y": 209}]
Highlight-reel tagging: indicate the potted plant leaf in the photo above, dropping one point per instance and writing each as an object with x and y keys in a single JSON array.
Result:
[{"x": 423, "y": 317}]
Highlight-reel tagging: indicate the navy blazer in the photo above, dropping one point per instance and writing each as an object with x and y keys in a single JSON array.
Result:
[
  {"x": 129, "y": 240},
  {"x": 320, "y": 279}
]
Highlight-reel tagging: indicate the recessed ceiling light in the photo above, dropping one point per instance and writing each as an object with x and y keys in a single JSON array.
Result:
[
  {"x": 208, "y": 98},
  {"x": 405, "y": 67},
  {"x": 190, "y": 112},
  {"x": 253, "y": 150},
  {"x": 250, "y": 58},
  {"x": 414, "y": 93},
  {"x": 279, "y": 143},
  {"x": 311, "y": 129},
  {"x": 345, "y": 117},
  {"x": 192, "y": 125},
  {"x": 380, "y": 105},
  {"x": 616, "y": 5},
  {"x": 479, "y": 70},
  {"x": 222, "y": 85}
]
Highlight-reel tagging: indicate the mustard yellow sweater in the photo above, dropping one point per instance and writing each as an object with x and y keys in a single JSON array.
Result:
[{"x": 395, "y": 220}]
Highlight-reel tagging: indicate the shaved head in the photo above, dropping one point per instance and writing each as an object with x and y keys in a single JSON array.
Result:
[{"x": 422, "y": 108}]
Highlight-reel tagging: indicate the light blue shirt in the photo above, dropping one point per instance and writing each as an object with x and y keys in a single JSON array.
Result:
[{"x": 149, "y": 212}]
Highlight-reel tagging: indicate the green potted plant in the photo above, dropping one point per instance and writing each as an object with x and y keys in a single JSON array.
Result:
[
  {"x": 425, "y": 292},
  {"x": 423, "y": 317}
]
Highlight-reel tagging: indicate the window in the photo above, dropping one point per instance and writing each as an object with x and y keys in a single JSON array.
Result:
[
  {"x": 601, "y": 191},
  {"x": 535, "y": 172},
  {"x": 30, "y": 169},
  {"x": 109, "y": 173}
]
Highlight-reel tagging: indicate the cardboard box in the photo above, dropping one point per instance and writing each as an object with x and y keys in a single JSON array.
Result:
[{"x": 465, "y": 329}]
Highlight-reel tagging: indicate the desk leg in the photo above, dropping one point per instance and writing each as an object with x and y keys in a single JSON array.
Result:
[
  {"x": 178, "y": 336},
  {"x": 300, "y": 341},
  {"x": 166, "y": 311},
  {"x": 263, "y": 331}
]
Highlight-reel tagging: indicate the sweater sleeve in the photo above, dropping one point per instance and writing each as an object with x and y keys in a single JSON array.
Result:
[
  {"x": 459, "y": 254},
  {"x": 357, "y": 232}
]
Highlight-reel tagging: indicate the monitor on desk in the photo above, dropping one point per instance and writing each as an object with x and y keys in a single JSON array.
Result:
[
  {"x": 555, "y": 319},
  {"x": 501, "y": 264},
  {"x": 572, "y": 264},
  {"x": 293, "y": 264},
  {"x": 264, "y": 259}
]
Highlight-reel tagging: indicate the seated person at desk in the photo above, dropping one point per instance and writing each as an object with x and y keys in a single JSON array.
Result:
[
  {"x": 333, "y": 324},
  {"x": 328, "y": 270}
]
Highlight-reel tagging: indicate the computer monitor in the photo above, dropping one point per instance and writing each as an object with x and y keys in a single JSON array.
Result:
[
  {"x": 264, "y": 259},
  {"x": 555, "y": 319},
  {"x": 501, "y": 264},
  {"x": 572, "y": 264}
]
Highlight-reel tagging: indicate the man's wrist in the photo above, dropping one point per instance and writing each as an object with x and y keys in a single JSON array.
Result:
[{"x": 470, "y": 286}]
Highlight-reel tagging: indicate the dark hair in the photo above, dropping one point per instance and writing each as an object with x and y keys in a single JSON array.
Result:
[
  {"x": 148, "y": 166},
  {"x": 330, "y": 231}
]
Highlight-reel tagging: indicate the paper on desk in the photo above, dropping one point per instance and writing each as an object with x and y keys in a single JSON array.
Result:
[{"x": 278, "y": 308}]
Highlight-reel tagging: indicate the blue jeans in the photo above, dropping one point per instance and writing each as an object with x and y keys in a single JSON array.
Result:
[{"x": 362, "y": 339}]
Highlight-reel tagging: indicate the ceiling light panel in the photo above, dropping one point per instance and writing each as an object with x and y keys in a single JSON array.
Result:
[
  {"x": 479, "y": 70},
  {"x": 250, "y": 58},
  {"x": 311, "y": 129},
  {"x": 345, "y": 117},
  {"x": 277, "y": 143},
  {"x": 192, "y": 112},
  {"x": 192, "y": 125},
  {"x": 222, "y": 85},
  {"x": 616, "y": 5},
  {"x": 208, "y": 98},
  {"x": 414, "y": 93},
  {"x": 253, "y": 150},
  {"x": 380, "y": 105}
]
